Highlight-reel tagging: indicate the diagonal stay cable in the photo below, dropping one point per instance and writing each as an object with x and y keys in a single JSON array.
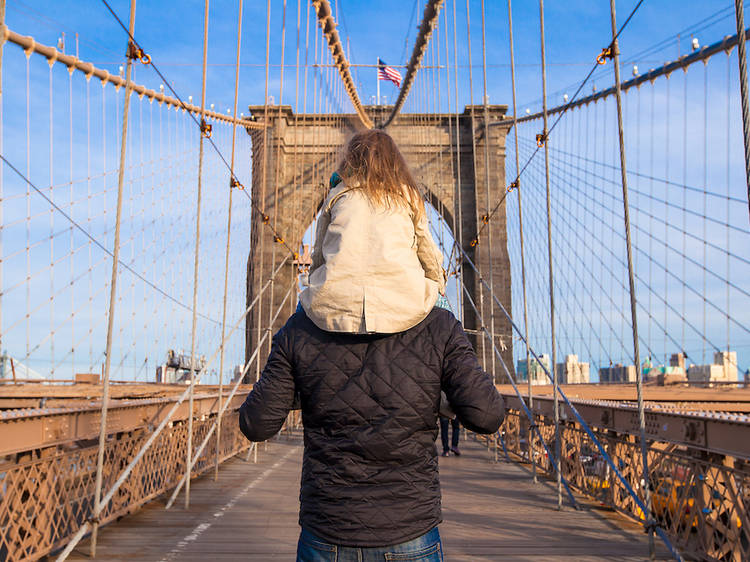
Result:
[
  {"x": 628, "y": 487},
  {"x": 533, "y": 426},
  {"x": 545, "y": 135},
  {"x": 233, "y": 180},
  {"x": 99, "y": 244}
]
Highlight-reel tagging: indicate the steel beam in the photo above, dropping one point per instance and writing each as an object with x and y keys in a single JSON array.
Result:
[
  {"x": 716, "y": 432},
  {"x": 37, "y": 428}
]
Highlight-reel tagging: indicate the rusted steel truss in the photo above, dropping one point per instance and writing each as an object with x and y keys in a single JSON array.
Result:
[
  {"x": 328, "y": 25},
  {"x": 429, "y": 20},
  {"x": 46, "y": 495},
  {"x": 700, "y": 498},
  {"x": 714, "y": 432},
  {"x": 38, "y": 428}
]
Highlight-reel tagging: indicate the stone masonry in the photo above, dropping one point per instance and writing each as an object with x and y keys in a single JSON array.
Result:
[{"x": 290, "y": 179}]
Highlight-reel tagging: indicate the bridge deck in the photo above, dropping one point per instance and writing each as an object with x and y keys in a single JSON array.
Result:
[{"x": 490, "y": 511}]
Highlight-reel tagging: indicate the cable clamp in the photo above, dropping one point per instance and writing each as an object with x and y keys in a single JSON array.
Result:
[
  {"x": 234, "y": 182},
  {"x": 135, "y": 52},
  {"x": 278, "y": 239},
  {"x": 514, "y": 185},
  {"x": 541, "y": 138},
  {"x": 607, "y": 53},
  {"x": 206, "y": 129},
  {"x": 265, "y": 218},
  {"x": 474, "y": 242},
  {"x": 485, "y": 219}
]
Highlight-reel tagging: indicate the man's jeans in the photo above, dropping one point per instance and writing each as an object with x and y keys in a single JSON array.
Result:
[{"x": 426, "y": 548}]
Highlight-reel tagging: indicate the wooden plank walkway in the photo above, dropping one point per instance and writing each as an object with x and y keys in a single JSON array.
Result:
[{"x": 491, "y": 511}]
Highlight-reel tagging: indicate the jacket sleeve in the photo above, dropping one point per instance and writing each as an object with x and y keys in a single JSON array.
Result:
[
  {"x": 429, "y": 254},
  {"x": 470, "y": 391},
  {"x": 266, "y": 407}
]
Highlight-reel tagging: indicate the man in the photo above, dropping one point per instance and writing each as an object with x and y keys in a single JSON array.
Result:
[
  {"x": 370, "y": 483},
  {"x": 445, "y": 424}
]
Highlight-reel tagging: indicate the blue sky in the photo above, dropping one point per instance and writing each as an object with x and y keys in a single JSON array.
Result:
[{"x": 171, "y": 33}]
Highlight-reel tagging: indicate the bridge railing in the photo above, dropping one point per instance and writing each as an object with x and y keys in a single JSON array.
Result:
[
  {"x": 47, "y": 493},
  {"x": 699, "y": 497}
]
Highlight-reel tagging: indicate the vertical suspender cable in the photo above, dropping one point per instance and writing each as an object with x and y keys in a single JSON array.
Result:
[
  {"x": 458, "y": 164},
  {"x": 474, "y": 175},
  {"x": 259, "y": 197},
  {"x": 276, "y": 174},
  {"x": 626, "y": 210},
  {"x": 232, "y": 183},
  {"x": 739, "y": 8},
  {"x": 555, "y": 382},
  {"x": 530, "y": 438},
  {"x": 203, "y": 134},
  {"x": 487, "y": 187},
  {"x": 112, "y": 293}
]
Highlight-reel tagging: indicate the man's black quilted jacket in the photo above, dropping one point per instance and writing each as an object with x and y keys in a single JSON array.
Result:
[{"x": 369, "y": 408}]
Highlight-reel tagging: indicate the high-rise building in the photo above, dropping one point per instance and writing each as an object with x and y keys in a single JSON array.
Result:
[
  {"x": 617, "y": 373},
  {"x": 572, "y": 371},
  {"x": 723, "y": 369}
]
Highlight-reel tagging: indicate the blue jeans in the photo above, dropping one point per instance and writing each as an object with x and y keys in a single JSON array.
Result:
[{"x": 426, "y": 548}]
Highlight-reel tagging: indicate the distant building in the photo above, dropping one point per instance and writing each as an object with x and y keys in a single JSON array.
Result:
[
  {"x": 723, "y": 369},
  {"x": 572, "y": 371},
  {"x": 177, "y": 368},
  {"x": 677, "y": 360},
  {"x": 538, "y": 376},
  {"x": 617, "y": 373}
]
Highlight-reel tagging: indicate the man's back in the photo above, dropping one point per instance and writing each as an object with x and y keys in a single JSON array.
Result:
[{"x": 369, "y": 408}]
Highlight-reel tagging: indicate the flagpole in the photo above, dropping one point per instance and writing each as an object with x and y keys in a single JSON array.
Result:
[{"x": 377, "y": 79}]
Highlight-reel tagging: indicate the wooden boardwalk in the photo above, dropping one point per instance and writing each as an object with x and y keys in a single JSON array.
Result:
[{"x": 491, "y": 511}]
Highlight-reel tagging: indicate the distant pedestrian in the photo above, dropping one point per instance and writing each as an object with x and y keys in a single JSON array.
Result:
[{"x": 445, "y": 425}]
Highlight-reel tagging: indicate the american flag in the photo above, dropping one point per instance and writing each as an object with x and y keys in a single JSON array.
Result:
[{"x": 386, "y": 72}]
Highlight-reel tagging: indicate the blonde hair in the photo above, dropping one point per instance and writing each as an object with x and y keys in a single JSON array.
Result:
[{"x": 373, "y": 159}]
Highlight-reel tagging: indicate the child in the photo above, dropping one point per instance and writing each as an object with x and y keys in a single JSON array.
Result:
[{"x": 375, "y": 267}]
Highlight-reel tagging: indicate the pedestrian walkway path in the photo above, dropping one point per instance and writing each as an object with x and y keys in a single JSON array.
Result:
[{"x": 492, "y": 511}]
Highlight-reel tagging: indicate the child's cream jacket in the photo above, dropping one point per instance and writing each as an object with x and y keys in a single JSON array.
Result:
[{"x": 374, "y": 269}]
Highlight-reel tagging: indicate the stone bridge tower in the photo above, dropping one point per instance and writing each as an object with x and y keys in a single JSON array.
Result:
[{"x": 295, "y": 155}]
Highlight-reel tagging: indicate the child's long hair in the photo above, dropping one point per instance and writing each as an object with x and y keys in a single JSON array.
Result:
[{"x": 373, "y": 159}]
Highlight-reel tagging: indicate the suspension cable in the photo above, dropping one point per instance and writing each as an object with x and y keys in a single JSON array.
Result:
[
  {"x": 229, "y": 234},
  {"x": 112, "y": 294},
  {"x": 205, "y": 131},
  {"x": 520, "y": 232},
  {"x": 544, "y": 139},
  {"x": 631, "y": 282},
  {"x": 545, "y": 136},
  {"x": 429, "y": 21},
  {"x": 328, "y": 25}
]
